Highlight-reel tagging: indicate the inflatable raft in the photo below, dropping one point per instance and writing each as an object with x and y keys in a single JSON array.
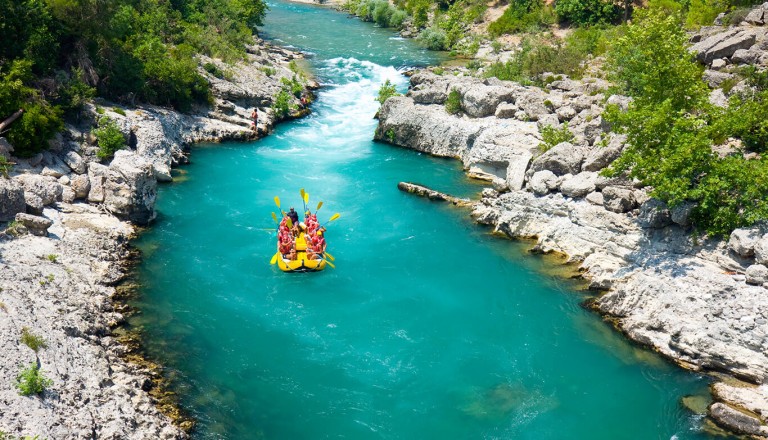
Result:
[{"x": 302, "y": 263}]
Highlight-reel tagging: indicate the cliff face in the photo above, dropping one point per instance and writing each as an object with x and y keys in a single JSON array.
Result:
[
  {"x": 59, "y": 280},
  {"x": 696, "y": 302}
]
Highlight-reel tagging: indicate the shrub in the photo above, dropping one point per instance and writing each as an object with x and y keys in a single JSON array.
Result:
[
  {"x": 32, "y": 381},
  {"x": 293, "y": 86},
  {"x": 587, "y": 12},
  {"x": 433, "y": 39},
  {"x": 703, "y": 12},
  {"x": 213, "y": 70},
  {"x": 398, "y": 18},
  {"x": 269, "y": 71},
  {"x": 552, "y": 136},
  {"x": 53, "y": 258},
  {"x": 40, "y": 121},
  {"x": 453, "y": 102},
  {"x": 31, "y": 340},
  {"x": 282, "y": 104},
  {"x": 522, "y": 16},
  {"x": 119, "y": 111},
  {"x": 73, "y": 91},
  {"x": 386, "y": 91},
  {"x": 382, "y": 12},
  {"x": 109, "y": 138}
]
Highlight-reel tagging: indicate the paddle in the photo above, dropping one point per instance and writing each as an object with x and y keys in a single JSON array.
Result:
[
  {"x": 329, "y": 263},
  {"x": 330, "y": 257},
  {"x": 319, "y": 205},
  {"x": 277, "y": 202},
  {"x": 274, "y": 258},
  {"x": 333, "y": 217},
  {"x": 274, "y": 217},
  {"x": 306, "y": 200},
  {"x": 303, "y": 198}
]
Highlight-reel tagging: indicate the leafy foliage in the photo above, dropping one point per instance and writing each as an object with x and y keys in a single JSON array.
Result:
[
  {"x": 433, "y": 38},
  {"x": 453, "y": 102},
  {"x": 386, "y": 91},
  {"x": 587, "y": 12},
  {"x": 522, "y": 16},
  {"x": 109, "y": 137},
  {"x": 671, "y": 129},
  {"x": 282, "y": 104},
  {"x": 31, "y": 340},
  {"x": 32, "y": 381},
  {"x": 552, "y": 136}
]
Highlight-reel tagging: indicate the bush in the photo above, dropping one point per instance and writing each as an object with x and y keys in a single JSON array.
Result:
[
  {"x": 453, "y": 102},
  {"x": 587, "y": 12},
  {"x": 31, "y": 340},
  {"x": 386, "y": 91},
  {"x": 433, "y": 39},
  {"x": 282, "y": 104},
  {"x": 31, "y": 381},
  {"x": 552, "y": 136},
  {"x": 703, "y": 12},
  {"x": 537, "y": 57},
  {"x": 670, "y": 132},
  {"x": 522, "y": 16},
  {"x": 30, "y": 133},
  {"x": 109, "y": 138},
  {"x": 398, "y": 18}
]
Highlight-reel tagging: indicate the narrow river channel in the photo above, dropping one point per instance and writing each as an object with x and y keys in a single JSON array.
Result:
[{"x": 428, "y": 328}]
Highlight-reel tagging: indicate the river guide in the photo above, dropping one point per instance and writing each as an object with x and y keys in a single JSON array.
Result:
[{"x": 301, "y": 246}]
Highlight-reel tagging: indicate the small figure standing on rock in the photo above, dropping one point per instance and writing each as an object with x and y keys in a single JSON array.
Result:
[{"x": 255, "y": 119}]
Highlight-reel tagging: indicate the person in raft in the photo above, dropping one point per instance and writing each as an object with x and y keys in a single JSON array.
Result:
[
  {"x": 255, "y": 119},
  {"x": 318, "y": 244},
  {"x": 311, "y": 221},
  {"x": 293, "y": 215}
]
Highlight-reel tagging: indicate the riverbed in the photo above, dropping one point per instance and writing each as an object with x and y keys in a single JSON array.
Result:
[{"x": 428, "y": 327}]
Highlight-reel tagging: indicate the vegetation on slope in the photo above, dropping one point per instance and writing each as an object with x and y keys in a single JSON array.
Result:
[{"x": 56, "y": 54}]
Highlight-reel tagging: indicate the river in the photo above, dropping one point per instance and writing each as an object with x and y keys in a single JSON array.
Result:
[{"x": 428, "y": 327}]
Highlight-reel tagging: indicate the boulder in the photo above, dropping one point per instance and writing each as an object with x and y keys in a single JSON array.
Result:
[
  {"x": 565, "y": 113},
  {"x": 34, "y": 204},
  {"x": 618, "y": 199},
  {"x": 737, "y": 421},
  {"x": 619, "y": 100},
  {"x": 602, "y": 156},
  {"x": 430, "y": 95},
  {"x": 53, "y": 166},
  {"x": 595, "y": 198},
  {"x": 548, "y": 120},
  {"x": 11, "y": 199},
  {"x": 761, "y": 251},
  {"x": 68, "y": 195},
  {"x": 746, "y": 56},
  {"x": 756, "y": 16},
  {"x": 594, "y": 128},
  {"x": 506, "y": 110},
  {"x": 130, "y": 189},
  {"x": 563, "y": 158},
  {"x": 97, "y": 176},
  {"x": 81, "y": 186},
  {"x": 5, "y": 148},
  {"x": 757, "y": 274},
  {"x": 713, "y": 78},
  {"x": 75, "y": 162},
  {"x": 722, "y": 45},
  {"x": 516, "y": 169},
  {"x": 479, "y": 100},
  {"x": 531, "y": 101},
  {"x": 542, "y": 182},
  {"x": 35, "y": 224},
  {"x": 717, "y": 98},
  {"x": 46, "y": 187},
  {"x": 719, "y": 64},
  {"x": 579, "y": 185},
  {"x": 743, "y": 241},
  {"x": 654, "y": 214},
  {"x": 681, "y": 213}
]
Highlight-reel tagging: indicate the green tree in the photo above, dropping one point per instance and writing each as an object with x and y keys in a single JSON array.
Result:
[
  {"x": 109, "y": 138},
  {"x": 386, "y": 91}
]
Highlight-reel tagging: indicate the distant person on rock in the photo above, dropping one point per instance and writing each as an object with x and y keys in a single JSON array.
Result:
[{"x": 255, "y": 119}]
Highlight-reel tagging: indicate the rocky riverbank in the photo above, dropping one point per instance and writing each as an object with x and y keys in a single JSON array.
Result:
[
  {"x": 701, "y": 302},
  {"x": 68, "y": 220}
]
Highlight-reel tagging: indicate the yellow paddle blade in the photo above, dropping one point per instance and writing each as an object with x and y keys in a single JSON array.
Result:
[
  {"x": 301, "y": 191},
  {"x": 334, "y": 217},
  {"x": 319, "y": 204},
  {"x": 330, "y": 264},
  {"x": 277, "y": 202},
  {"x": 289, "y": 223},
  {"x": 274, "y": 258},
  {"x": 274, "y": 217},
  {"x": 306, "y": 197},
  {"x": 330, "y": 257}
]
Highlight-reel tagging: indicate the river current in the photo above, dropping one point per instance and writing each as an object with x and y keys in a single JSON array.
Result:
[{"x": 428, "y": 328}]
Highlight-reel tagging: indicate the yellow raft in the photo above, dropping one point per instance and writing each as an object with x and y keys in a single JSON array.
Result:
[{"x": 302, "y": 263}]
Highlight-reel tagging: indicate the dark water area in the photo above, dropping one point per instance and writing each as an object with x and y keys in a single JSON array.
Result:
[{"x": 428, "y": 327}]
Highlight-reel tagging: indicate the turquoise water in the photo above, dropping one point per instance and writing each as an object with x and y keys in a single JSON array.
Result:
[{"x": 427, "y": 328}]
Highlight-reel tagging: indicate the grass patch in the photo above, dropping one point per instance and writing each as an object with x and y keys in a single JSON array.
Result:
[
  {"x": 453, "y": 102},
  {"x": 31, "y": 340},
  {"x": 31, "y": 381}
]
